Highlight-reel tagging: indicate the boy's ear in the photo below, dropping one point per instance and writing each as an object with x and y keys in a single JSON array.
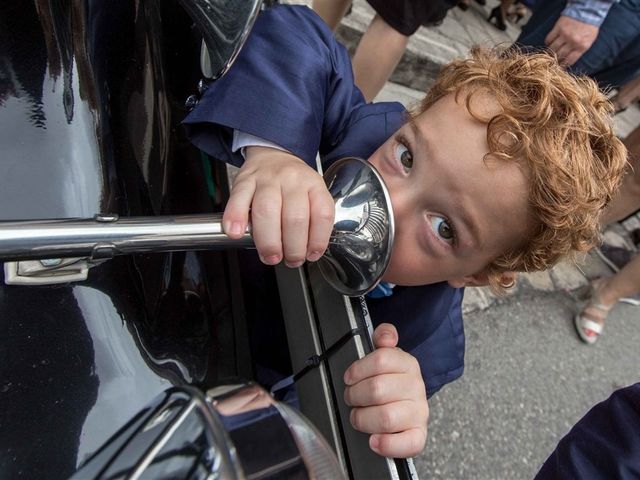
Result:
[{"x": 479, "y": 279}]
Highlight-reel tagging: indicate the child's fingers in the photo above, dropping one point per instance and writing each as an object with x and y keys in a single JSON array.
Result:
[
  {"x": 399, "y": 445},
  {"x": 321, "y": 224},
  {"x": 382, "y": 389},
  {"x": 295, "y": 225},
  {"x": 390, "y": 418},
  {"x": 236, "y": 214},
  {"x": 266, "y": 212},
  {"x": 380, "y": 362}
]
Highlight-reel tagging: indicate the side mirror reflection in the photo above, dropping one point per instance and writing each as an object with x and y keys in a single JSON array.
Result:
[
  {"x": 234, "y": 432},
  {"x": 225, "y": 26}
]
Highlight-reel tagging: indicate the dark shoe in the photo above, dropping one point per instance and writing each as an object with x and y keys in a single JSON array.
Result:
[
  {"x": 497, "y": 14},
  {"x": 614, "y": 257}
]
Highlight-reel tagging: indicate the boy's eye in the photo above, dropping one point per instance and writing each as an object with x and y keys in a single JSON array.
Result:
[
  {"x": 442, "y": 228},
  {"x": 404, "y": 155}
]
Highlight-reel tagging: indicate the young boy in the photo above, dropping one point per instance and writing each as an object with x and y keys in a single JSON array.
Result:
[{"x": 505, "y": 166}]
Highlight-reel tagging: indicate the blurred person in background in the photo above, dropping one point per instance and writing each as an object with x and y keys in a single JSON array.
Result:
[
  {"x": 627, "y": 94},
  {"x": 511, "y": 10},
  {"x": 599, "y": 38},
  {"x": 624, "y": 285},
  {"x": 385, "y": 40}
]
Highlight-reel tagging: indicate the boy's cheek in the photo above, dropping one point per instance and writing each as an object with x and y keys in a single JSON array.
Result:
[
  {"x": 410, "y": 267},
  {"x": 400, "y": 273}
]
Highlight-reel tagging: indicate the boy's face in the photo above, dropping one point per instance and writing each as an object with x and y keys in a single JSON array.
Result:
[{"x": 454, "y": 212}]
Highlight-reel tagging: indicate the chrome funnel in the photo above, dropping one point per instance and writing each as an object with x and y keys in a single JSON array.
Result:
[{"x": 362, "y": 238}]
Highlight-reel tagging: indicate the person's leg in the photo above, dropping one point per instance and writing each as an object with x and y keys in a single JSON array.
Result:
[
  {"x": 504, "y": 7},
  {"x": 627, "y": 94},
  {"x": 518, "y": 12},
  {"x": 626, "y": 283},
  {"x": 606, "y": 292},
  {"x": 331, "y": 11},
  {"x": 377, "y": 55},
  {"x": 544, "y": 16},
  {"x": 627, "y": 199},
  {"x": 499, "y": 13}
]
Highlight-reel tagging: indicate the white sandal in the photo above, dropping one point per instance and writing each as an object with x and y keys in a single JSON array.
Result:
[{"x": 583, "y": 323}]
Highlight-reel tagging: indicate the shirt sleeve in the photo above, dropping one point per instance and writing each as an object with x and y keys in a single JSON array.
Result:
[
  {"x": 243, "y": 140},
  {"x": 292, "y": 85},
  {"x": 592, "y": 12}
]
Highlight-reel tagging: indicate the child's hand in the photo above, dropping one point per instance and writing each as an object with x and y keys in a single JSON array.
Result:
[
  {"x": 388, "y": 393},
  {"x": 291, "y": 209}
]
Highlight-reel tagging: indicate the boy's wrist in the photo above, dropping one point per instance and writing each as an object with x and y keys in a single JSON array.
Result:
[{"x": 255, "y": 153}]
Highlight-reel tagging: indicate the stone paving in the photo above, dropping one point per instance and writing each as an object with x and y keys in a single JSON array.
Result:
[{"x": 427, "y": 51}]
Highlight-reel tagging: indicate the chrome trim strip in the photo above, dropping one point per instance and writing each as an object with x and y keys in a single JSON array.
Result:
[
  {"x": 99, "y": 238},
  {"x": 161, "y": 441}
]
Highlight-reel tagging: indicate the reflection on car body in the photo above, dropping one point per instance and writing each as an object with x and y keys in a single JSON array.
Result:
[{"x": 91, "y": 98}]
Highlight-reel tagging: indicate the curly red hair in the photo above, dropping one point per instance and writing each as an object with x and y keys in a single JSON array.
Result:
[{"x": 560, "y": 127}]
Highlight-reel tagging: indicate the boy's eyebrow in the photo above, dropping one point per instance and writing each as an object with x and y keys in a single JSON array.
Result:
[
  {"x": 469, "y": 224},
  {"x": 472, "y": 228},
  {"x": 415, "y": 130}
]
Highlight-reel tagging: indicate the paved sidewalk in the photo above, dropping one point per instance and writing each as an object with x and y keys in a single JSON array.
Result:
[{"x": 428, "y": 50}]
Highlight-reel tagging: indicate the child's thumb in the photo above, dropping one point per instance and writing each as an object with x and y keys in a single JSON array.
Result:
[{"x": 385, "y": 335}]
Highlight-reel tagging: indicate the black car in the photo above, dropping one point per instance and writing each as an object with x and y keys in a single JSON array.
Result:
[{"x": 131, "y": 366}]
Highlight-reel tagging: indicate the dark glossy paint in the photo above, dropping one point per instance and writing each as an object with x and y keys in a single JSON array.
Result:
[{"x": 91, "y": 96}]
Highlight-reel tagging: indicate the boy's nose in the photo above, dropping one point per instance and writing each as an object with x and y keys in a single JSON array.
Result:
[{"x": 402, "y": 202}]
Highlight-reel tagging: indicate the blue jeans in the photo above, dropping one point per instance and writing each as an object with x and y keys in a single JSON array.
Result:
[{"x": 613, "y": 59}]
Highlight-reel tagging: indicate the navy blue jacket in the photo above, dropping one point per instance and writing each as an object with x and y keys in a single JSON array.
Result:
[
  {"x": 603, "y": 445},
  {"x": 292, "y": 84}
]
